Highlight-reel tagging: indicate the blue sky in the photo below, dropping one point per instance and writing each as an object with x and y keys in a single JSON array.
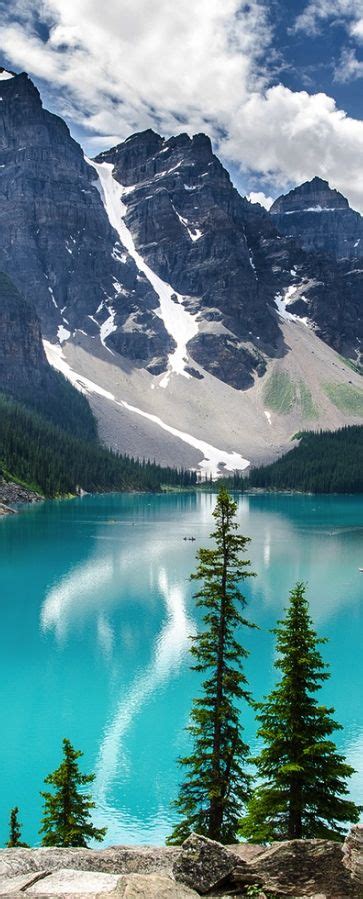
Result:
[{"x": 277, "y": 85}]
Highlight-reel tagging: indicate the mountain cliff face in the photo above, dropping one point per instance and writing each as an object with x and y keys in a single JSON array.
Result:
[
  {"x": 25, "y": 373},
  {"x": 22, "y": 357},
  {"x": 57, "y": 243},
  {"x": 214, "y": 248},
  {"x": 320, "y": 219},
  {"x": 147, "y": 264}
]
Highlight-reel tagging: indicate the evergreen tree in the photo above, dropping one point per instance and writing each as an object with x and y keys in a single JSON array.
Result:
[
  {"x": 66, "y": 820},
  {"x": 217, "y": 786},
  {"x": 14, "y": 829},
  {"x": 303, "y": 776}
]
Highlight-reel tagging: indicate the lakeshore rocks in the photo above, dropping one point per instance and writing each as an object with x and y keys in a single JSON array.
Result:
[
  {"x": 299, "y": 868},
  {"x": 14, "y": 493},
  {"x": 353, "y": 853},
  {"x": 204, "y": 864},
  {"x": 318, "y": 869},
  {"x": 114, "y": 860},
  {"x": 5, "y": 510}
]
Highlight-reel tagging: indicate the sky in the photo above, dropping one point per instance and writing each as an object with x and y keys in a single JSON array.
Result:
[{"x": 277, "y": 84}]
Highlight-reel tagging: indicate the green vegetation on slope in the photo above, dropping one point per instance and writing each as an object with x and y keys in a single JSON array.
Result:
[
  {"x": 41, "y": 455},
  {"x": 346, "y": 398},
  {"x": 308, "y": 409},
  {"x": 324, "y": 462},
  {"x": 279, "y": 392}
]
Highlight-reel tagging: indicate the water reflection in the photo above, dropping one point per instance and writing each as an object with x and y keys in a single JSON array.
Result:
[{"x": 168, "y": 652}]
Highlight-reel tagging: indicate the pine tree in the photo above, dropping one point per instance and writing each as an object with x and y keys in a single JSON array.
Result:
[
  {"x": 303, "y": 776},
  {"x": 66, "y": 820},
  {"x": 217, "y": 785},
  {"x": 14, "y": 829}
]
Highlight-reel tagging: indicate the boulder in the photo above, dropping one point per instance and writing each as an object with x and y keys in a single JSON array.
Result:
[
  {"x": 153, "y": 886},
  {"x": 300, "y": 868},
  {"x": 353, "y": 853},
  {"x": 67, "y": 882},
  {"x": 204, "y": 864},
  {"x": 114, "y": 860}
]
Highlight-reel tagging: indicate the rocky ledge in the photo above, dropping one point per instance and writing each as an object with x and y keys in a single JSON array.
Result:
[
  {"x": 320, "y": 869},
  {"x": 14, "y": 493}
]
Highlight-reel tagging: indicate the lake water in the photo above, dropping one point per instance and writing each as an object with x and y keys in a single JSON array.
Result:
[{"x": 96, "y": 610}]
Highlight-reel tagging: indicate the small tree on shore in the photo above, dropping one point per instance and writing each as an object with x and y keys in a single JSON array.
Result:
[
  {"x": 66, "y": 820},
  {"x": 217, "y": 784},
  {"x": 304, "y": 778},
  {"x": 15, "y": 829}
]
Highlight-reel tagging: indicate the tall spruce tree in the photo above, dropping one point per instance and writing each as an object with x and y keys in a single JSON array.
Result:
[
  {"x": 66, "y": 820},
  {"x": 14, "y": 829},
  {"x": 217, "y": 785},
  {"x": 304, "y": 778}
]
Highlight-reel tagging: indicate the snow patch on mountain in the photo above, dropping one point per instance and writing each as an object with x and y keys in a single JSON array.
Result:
[
  {"x": 4, "y": 75},
  {"x": 179, "y": 323},
  {"x": 215, "y": 461},
  {"x": 107, "y": 328},
  {"x": 283, "y": 300},
  {"x": 63, "y": 334}
]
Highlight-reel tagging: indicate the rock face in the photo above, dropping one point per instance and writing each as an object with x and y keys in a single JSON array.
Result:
[
  {"x": 201, "y": 237},
  {"x": 57, "y": 243},
  {"x": 305, "y": 868},
  {"x": 22, "y": 358},
  {"x": 353, "y": 853},
  {"x": 320, "y": 219},
  {"x": 204, "y": 864},
  {"x": 88, "y": 264},
  {"x": 25, "y": 374},
  {"x": 318, "y": 869},
  {"x": 227, "y": 259}
]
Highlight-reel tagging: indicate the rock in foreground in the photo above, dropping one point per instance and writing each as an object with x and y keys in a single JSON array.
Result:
[{"x": 319, "y": 869}]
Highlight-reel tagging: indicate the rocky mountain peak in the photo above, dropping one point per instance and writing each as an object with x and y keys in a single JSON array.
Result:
[
  {"x": 312, "y": 196},
  {"x": 319, "y": 218}
]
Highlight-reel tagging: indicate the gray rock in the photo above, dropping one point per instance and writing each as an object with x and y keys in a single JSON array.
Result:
[
  {"x": 353, "y": 853},
  {"x": 19, "y": 883},
  {"x": 153, "y": 886},
  {"x": 68, "y": 882},
  {"x": 203, "y": 864},
  {"x": 299, "y": 868},
  {"x": 114, "y": 860}
]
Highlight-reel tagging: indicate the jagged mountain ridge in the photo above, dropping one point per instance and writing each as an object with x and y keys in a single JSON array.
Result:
[
  {"x": 320, "y": 219},
  {"x": 221, "y": 253},
  {"x": 57, "y": 243},
  {"x": 148, "y": 260}
]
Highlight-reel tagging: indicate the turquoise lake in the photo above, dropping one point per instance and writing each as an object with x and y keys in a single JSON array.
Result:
[{"x": 96, "y": 611}]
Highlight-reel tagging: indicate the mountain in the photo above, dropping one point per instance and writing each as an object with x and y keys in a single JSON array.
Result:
[
  {"x": 320, "y": 219},
  {"x": 201, "y": 335},
  {"x": 25, "y": 373}
]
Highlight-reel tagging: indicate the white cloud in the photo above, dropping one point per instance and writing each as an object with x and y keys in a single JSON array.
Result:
[
  {"x": 119, "y": 67},
  {"x": 317, "y": 12},
  {"x": 349, "y": 68},
  {"x": 259, "y": 197}
]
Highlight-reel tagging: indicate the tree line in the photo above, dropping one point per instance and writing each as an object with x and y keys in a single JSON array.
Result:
[
  {"x": 300, "y": 785},
  {"x": 324, "y": 462},
  {"x": 43, "y": 456}
]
